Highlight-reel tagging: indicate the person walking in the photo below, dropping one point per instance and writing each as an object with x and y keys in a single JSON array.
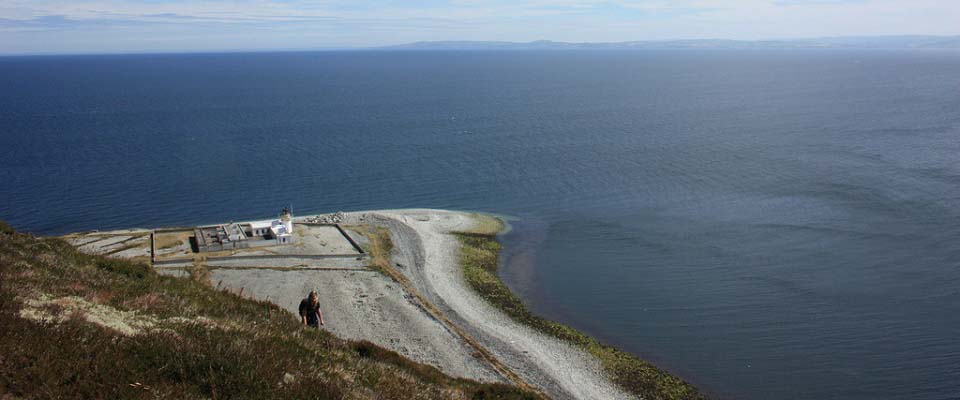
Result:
[{"x": 310, "y": 313}]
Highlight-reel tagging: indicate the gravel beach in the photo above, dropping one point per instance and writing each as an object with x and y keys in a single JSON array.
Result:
[{"x": 428, "y": 254}]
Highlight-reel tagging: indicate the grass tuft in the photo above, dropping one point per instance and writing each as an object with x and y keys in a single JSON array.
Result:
[
  {"x": 5, "y": 228},
  {"x": 126, "y": 268}
]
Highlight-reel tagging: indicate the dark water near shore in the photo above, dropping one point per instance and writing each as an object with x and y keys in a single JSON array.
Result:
[{"x": 767, "y": 224}]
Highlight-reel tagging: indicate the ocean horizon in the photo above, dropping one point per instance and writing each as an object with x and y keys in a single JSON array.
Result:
[{"x": 763, "y": 223}]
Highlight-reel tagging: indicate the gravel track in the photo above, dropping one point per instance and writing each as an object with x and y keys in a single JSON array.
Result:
[{"x": 428, "y": 254}]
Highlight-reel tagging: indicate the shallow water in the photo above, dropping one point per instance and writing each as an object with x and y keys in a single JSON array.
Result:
[{"x": 767, "y": 224}]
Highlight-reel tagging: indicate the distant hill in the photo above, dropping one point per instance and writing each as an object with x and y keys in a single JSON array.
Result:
[{"x": 873, "y": 42}]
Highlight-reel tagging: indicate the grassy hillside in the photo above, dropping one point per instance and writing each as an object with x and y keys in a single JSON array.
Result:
[{"x": 80, "y": 326}]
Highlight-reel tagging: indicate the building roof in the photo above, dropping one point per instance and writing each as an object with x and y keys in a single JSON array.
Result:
[
  {"x": 261, "y": 224},
  {"x": 279, "y": 229}
]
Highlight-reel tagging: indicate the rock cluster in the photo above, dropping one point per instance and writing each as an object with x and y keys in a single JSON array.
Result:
[{"x": 334, "y": 218}]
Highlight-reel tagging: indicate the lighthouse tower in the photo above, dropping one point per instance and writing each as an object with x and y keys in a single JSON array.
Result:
[{"x": 286, "y": 216}]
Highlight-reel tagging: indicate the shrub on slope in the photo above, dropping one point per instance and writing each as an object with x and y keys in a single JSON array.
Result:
[{"x": 79, "y": 326}]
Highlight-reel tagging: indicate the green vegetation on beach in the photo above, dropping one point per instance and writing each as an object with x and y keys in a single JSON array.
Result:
[
  {"x": 480, "y": 254},
  {"x": 379, "y": 245},
  {"x": 74, "y": 325}
]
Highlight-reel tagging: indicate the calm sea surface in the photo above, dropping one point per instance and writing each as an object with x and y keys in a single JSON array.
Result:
[{"x": 766, "y": 224}]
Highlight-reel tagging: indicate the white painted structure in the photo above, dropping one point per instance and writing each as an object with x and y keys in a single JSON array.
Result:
[
  {"x": 280, "y": 229},
  {"x": 260, "y": 228}
]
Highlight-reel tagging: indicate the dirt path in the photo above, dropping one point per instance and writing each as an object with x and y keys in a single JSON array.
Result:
[
  {"x": 427, "y": 254},
  {"x": 364, "y": 305}
]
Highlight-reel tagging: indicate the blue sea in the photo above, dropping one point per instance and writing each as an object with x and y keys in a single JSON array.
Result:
[{"x": 768, "y": 224}]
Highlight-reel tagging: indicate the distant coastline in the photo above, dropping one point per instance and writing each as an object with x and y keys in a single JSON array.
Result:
[
  {"x": 845, "y": 42},
  {"x": 906, "y": 42}
]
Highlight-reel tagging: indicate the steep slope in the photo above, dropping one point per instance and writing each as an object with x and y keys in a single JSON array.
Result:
[{"x": 81, "y": 326}]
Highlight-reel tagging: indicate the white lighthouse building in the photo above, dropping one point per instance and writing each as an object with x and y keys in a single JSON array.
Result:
[
  {"x": 283, "y": 228},
  {"x": 243, "y": 235},
  {"x": 280, "y": 230}
]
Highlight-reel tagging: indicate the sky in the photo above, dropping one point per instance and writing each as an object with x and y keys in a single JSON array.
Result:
[{"x": 120, "y": 26}]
